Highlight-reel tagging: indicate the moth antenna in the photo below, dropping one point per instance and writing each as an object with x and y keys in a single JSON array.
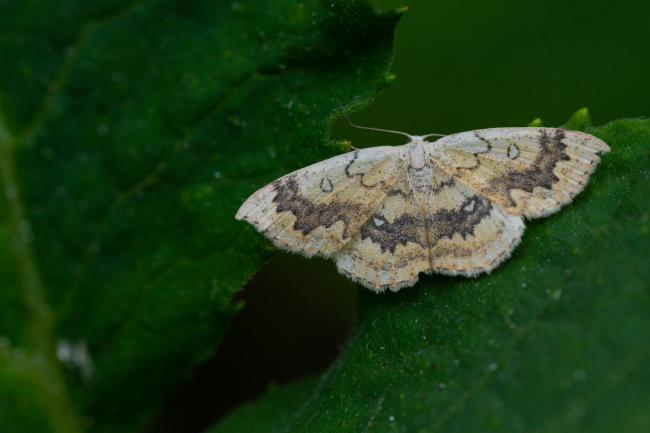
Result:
[
  {"x": 434, "y": 134},
  {"x": 374, "y": 129}
]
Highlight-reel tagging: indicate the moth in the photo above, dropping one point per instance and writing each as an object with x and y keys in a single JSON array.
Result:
[{"x": 453, "y": 206}]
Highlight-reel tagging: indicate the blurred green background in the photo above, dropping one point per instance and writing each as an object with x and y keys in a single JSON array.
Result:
[
  {"x": 460, "y": 65},
  {"x": 473, "y": 64}
]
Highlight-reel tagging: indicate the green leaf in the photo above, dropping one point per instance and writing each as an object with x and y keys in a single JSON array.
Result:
[
  {"x": 273, "y": 411},
  {"x": 130, "y": 132},
  {"x": 556, "y": 339}
]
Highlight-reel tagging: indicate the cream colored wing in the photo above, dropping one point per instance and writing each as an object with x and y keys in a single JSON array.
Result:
[
  {"x": 318, "y": 209},
  {"x": 468, "y": 233},
  {"x": 391, "y": 249},
  {"x": 527, "y": 171}
]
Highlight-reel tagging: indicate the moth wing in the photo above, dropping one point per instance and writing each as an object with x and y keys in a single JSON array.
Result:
[
  {"x": 318, "y": 209},
  {"x": 468, "y": 233},
  {"x": 527, "y": 171},
  {"x": 391, "y": 249}
]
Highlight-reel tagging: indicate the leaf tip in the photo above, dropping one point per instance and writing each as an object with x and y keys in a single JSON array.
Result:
[
  {"x": 536, "y": 123},
  {"x": 342, "y": 145},
  {"x": 580, "y": 121}
]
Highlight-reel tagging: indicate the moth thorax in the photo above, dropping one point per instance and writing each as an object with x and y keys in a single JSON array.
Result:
[
  {"x": 416, "y": 154},
  {"x": 420, "y": 179}
]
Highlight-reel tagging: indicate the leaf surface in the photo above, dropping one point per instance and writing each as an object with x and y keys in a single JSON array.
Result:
[
  {"x": 555, "y": 340},
  {"x": 130, "y": 132}
]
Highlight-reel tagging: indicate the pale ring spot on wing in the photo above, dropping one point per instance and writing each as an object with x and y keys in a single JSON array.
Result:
[{"x": 326, "y": 185}]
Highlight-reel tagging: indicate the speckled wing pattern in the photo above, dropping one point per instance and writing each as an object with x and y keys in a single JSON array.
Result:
[
  {"x": 455, "y": 206},
  {"x": 527, "y": 171},
  {"x": 316, "y": 210}
]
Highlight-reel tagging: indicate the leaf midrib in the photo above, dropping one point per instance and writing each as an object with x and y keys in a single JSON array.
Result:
[{"x": 37, "y": 363}]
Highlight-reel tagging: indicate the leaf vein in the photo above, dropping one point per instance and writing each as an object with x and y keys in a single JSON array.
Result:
[
  {"x": 55, "y": 86},
  {"x": 151, "y": 178}
]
